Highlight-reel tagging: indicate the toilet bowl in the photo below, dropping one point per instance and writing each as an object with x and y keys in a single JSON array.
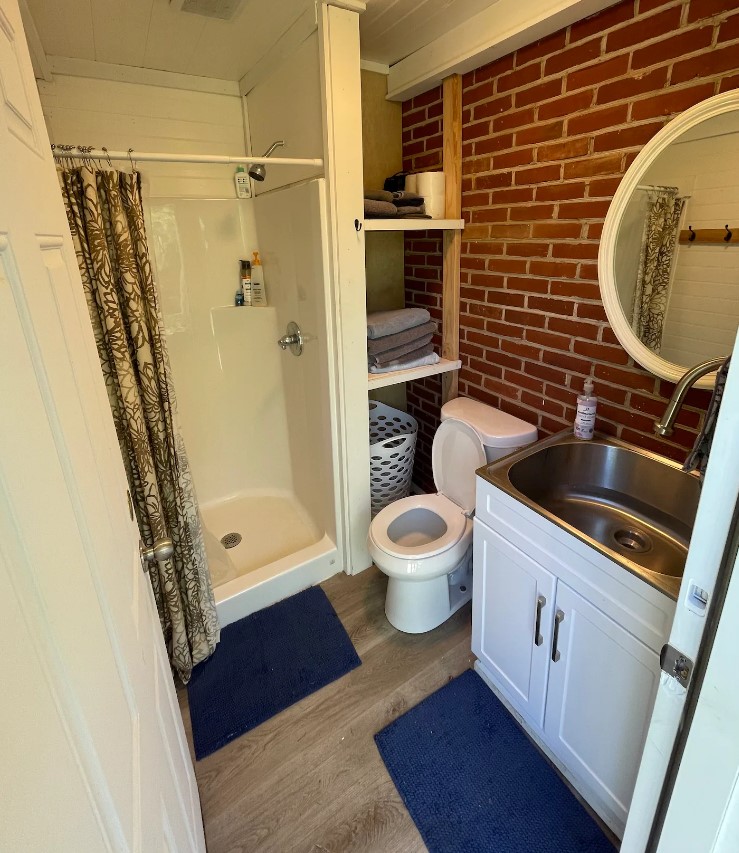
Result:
[{"x": 423, "y": 543}]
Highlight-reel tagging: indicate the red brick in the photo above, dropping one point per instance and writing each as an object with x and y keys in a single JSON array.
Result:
[
  {"x": 584, "y": 209},
  {"x": 478, "y": 199},
  {"x": 543, "y": 371},
  {"x": 700, "y": 9},
  {"x": 729, "y": 83},
  {"x": 602, "y": 21},
  {"x": 426, "y": 98},
  {"x": 512, "y": 194},
  {"x": 543, "y": 47},
  {"x": 574, "y": 251},
  {"x": 547, "y": 339},
  {"x": 572, "y": 57},
  {"x": 709, "y": 64},
  {"x": 505, "y": 297},
  {"x": 598, "y": 73},
  {"x": 515, "y": 266},
  {"x": 672, "y": 47},
  {"x": 558, "y": 192},
  {"x": 521, "y": 380},
  {"x": 627, "y": 137},
  {"x": 595, "y": 231},
  {"x": 479, "y": 164},
  {"x": 605, "y": 164},
  {"x": 527, "y": 250},
  {"x": 476, "y": 93},
  {"x": 524, "y": 318},
  {"x": 491, "y": 312},
  {"x": 476, "y": 130},
  {"x": 520, "y": 348},
  {"x": 671, "y": 102},
  {"x": 566, "y": 105},
  {"x": 531, "y": 212},
  {"x": 729, "y": 30},
  {"x": 556, "y": 230},
  {"x": 631, "y": 87},
  {"x": 625, "y": 378},
  {"x": 567, "y": 361},
  {"x": 500, "y": 142},
  {"x": 603, "y": 187},
  {"x": 527, "y": 285},
  {"x": 493, "y": 108},
  {"x": 493, "y": 181},
  {"x": 540, "y": 133},
  {"x": 538, "y": 174},
  {"x": 644, "y": 29},
  {"x": 564, "y": 307},
  {"x": 563, "y": 150},
  {"x": 543, "y": 404},
  {"x": 591, "y": 312},
  {"x": 601, "y": 352},
  {"x": 574, "y": 328},
  {"x": 597, "y": 120},
  {"x": 494, "y": 69},
  {"x": 519, "y": 77},
  {"x": 574, "y": 289},
  {"x": 512, "y": 120},
  {"x": 541, "y": 92}
]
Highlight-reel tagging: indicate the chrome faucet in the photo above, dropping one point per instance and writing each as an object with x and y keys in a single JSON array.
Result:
[{"x": 664, "y": 427}]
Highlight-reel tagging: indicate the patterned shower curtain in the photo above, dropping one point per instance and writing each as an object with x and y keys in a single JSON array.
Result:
[
  {"x": 106, "y": 219},
  {"x": 654, "y": 277}
]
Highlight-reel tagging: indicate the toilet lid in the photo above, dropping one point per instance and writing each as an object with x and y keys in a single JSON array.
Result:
[{"x": 457, "y": 453}]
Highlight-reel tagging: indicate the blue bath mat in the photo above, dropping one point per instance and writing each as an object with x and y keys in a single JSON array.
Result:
[
  {"x": 473, "y": 782},
  {"x": 265, "y": 663}
]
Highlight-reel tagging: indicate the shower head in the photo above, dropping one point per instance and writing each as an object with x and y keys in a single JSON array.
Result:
[{"x": 258, "y": 171}]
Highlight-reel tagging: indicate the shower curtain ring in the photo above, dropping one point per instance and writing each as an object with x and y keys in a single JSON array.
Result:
[
  {"x": 107, "y": 157},
  {"x": 130, "y": 157}
]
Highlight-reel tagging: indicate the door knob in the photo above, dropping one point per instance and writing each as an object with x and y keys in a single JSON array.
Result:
[{"x": 162, "y": 549}]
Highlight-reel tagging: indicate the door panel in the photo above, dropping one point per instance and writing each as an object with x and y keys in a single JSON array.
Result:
[
  {"x": 599, "y": 702},
  {"x": 507, "y": 588},
  {"x": 97, "y": 759}
]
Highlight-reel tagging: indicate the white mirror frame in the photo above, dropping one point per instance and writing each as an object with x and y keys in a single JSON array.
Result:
[{"x": 718, "y": 104}]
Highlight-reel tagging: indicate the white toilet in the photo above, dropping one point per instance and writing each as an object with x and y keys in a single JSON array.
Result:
[{"x": 423, "y": 543}]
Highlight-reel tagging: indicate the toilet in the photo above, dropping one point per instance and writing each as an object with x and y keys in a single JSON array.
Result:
[{"x": 423, "y": 543}]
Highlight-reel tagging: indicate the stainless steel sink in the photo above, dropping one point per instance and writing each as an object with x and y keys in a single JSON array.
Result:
[{"x": 631, "y": 505}]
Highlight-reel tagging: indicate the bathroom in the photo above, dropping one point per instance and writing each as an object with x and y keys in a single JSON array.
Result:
[{"x": 519, "y": 277}]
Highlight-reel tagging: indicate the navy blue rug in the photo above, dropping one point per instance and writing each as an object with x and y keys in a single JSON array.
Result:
[
  {"x": 265, "y": 663},
  {"x": 472, "y": 781}
]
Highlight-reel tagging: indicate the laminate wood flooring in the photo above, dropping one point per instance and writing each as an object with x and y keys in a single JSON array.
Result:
[{"x": 311, "y": 779}]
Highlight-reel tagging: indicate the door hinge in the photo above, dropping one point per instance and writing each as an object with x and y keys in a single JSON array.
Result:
[{"x": 675, "y": 663}]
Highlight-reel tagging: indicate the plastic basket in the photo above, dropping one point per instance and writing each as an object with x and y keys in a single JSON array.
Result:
[{"x": 392, "y": 448}]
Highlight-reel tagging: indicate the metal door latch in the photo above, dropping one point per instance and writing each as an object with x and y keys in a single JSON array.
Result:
[{"x": 675, "y": 663}]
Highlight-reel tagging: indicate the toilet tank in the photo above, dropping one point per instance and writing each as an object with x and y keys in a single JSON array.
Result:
[{"x": 500, "y": 433}]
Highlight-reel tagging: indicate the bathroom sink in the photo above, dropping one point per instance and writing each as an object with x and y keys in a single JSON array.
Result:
[{"x": 635, "y": 507}]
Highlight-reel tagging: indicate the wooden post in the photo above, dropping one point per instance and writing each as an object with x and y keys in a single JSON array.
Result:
[{"x": 452, "y": 239}]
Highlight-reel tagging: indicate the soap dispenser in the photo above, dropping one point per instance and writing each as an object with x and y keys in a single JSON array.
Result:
[{"x": 585, "y": 417}]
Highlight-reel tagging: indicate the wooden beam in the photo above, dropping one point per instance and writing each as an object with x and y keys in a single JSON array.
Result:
[
  {"x": 39, "y": 60},
  {"x": 452, "y": 239}
]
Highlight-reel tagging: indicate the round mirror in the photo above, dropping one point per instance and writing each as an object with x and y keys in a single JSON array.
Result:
[{"x": 669, "y": 256}]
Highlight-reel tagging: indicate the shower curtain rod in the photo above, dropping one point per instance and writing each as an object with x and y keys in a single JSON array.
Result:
[{"x": 75, "y": 151}]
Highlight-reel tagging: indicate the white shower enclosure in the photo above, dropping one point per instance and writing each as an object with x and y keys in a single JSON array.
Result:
[{"x": 258, "y": 421}]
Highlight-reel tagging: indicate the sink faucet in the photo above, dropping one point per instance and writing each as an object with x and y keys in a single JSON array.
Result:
[{"x": 664, "y": 427}]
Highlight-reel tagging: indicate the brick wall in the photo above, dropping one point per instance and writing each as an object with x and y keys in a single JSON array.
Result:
[{"x": 548, "y": 132}]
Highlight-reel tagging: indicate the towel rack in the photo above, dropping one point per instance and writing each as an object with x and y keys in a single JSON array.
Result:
[{"x": 708, "y": 235}]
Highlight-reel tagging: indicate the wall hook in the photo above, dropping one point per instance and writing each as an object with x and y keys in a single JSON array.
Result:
[
  {"x": 727, "y": 238},
  {"x": 692, "y": 234},
  {"x": 357, "y": 225}
]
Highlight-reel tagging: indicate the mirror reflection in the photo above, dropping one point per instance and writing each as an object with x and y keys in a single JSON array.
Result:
[{"x": 677, "y": 249}]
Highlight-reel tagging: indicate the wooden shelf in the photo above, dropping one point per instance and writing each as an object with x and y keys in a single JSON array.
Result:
[
  {"x": 382, "y": 380},
  {"x": 414, "y": 224}
]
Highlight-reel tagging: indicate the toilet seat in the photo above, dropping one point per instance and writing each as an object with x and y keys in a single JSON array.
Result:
[{"x": 452, "y": 515}]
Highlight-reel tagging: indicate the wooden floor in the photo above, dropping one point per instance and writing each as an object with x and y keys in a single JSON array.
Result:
[{"x": 311, "y": 779}]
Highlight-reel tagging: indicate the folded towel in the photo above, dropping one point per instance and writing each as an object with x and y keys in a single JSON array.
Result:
[
  {"x": 379, "y": 195},
  {"x": 413, "y": 215},
  {"x": 411, "y": 210},
  {"x": 405, "y": 198},
  {"x": 379, "y": 209},
  {"x": 383, "y": 358},
  {"x": 698, "y": 458},
  {"x": 402, "y": 364},
  {"x": 382, "y": 323},
  {"x": 388, "y": 342}
]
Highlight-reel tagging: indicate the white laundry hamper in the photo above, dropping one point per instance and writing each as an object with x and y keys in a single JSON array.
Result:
[{"x": 392, "y": 450}]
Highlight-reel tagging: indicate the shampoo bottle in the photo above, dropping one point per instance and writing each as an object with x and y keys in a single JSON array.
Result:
[
  {"x": 258, "y": 293},
  {"x": 585, "y": 418},
  {"x": 246, "y": 282},
  {"x": 241, "y": 179}
]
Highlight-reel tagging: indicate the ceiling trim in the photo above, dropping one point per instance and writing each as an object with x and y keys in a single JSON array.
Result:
[
  {"x": 498, "y": 30},
  {"x": 352, "y": 5},
  {"x": 377, "y": 67},
  {"x": 39, "y": 59},
  {"x": 300, "y": 29},
  {"x": 71, "y": 67}
]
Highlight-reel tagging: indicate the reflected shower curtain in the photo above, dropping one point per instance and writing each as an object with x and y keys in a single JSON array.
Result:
[
  {"x": 106, "y": 219},
  {"x": 654, "y": 277}
]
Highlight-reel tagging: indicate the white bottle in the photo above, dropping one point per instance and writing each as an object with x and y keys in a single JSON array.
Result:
[
  {"x": 246, "y": 284},
  {"x": 258, "y": 292},
  {"x": 585, "y": 417},
  {"x": 241, "y": 179}
]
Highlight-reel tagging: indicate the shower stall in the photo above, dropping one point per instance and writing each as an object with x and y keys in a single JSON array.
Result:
[{"x": 257, "y": 420}]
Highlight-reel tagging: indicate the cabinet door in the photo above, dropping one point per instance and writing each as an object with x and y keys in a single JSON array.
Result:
[
  {"x": 602, "y": 684},
  {"x": 512, "y": 596}
]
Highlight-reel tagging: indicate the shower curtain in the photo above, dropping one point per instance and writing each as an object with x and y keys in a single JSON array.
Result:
[
  {"x": 106, "y": 219},
  {"x": 654, "y": 277}
]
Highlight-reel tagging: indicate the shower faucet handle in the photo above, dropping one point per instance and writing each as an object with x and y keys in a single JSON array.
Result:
[{"x": 293, "y": 340}]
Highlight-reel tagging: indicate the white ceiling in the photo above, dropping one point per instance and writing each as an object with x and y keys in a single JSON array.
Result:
[{"x": 156, "y": 34}]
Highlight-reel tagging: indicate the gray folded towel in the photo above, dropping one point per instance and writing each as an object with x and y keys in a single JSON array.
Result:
[
  {"x": 411, "y": 210},
  {"x": 377, "y": 209},
  {"x": 383, "y": 358},
  {"x": 698, "y": 458},
  {"x": 388, "y": 342},
  {"x": 404, "y": 198},
  {"x": 403, "y": 364},
  {"x": 382, "y": 323},
  {"x": 379, "y": 195}
]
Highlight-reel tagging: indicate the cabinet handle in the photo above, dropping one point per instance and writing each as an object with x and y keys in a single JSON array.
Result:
[
  {"x": 540, "y": 604},
  {"x": 558, "y": 617}
]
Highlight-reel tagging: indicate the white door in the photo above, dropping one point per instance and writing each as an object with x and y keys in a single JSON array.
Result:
[
  {"x": 512, "y": 621},
  {"x": 94, "y": 755},
  {"x": 602, "y": 682}
]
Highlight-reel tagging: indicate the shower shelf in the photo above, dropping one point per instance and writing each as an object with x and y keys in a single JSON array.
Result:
[
  {"x": 382, "y": 380},
  {"x": 413, "y": 224}
]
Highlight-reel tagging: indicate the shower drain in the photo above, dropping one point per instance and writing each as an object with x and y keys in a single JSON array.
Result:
[{"x": 230, "y": 540}]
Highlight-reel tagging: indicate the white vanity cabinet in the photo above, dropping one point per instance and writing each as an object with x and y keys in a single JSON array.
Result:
[{"x": 570, "y": 642}]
